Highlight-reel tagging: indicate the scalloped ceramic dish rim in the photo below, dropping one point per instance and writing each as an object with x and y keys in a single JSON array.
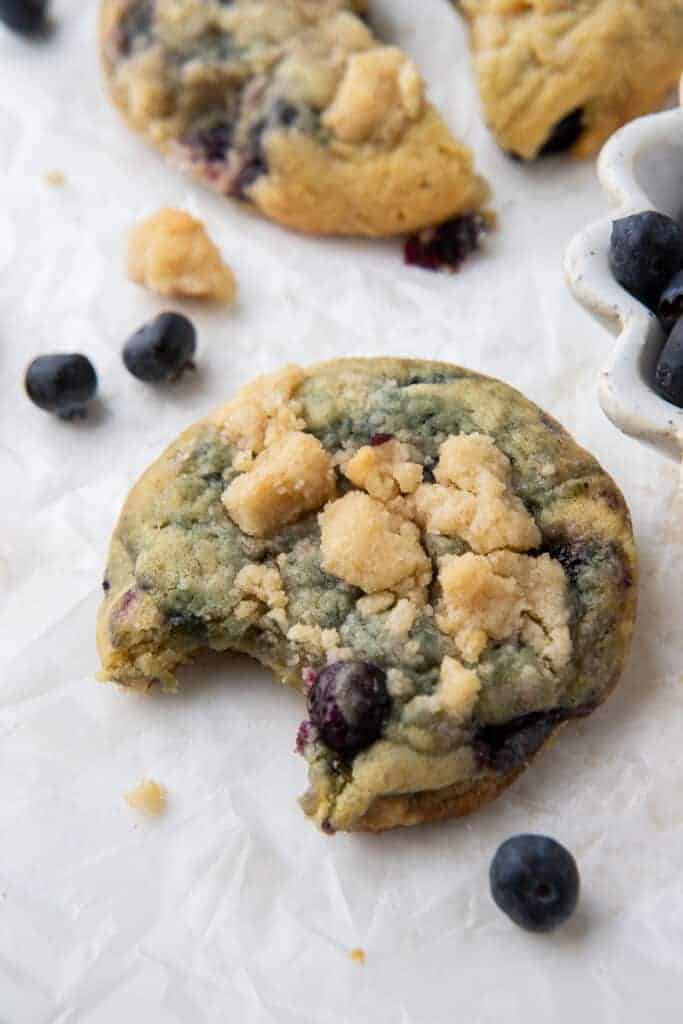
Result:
[{"x": 625, "y": 394}]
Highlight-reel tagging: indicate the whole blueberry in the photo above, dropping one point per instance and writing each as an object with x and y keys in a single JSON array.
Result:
[
  {"x": 670, "y": 307},
  {"x": 349, "y": 703},
  {"x": 63, "y": 384},
  {"x": 535, "y": 881},
  {"x": 646, "y": 250},
  {"x": 669, "y": 372},
  {"x": 161, "y": 349},
  {"x": 26, "y": 16}
]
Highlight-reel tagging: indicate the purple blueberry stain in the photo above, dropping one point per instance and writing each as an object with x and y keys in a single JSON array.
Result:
[
  {"x": 447, "y": 246},
  {"x": 505, "y": 746},
  {"x": 308, "y": 676},
  {"x": 212, "y": 142},
  {"x": 377, "y": 440},
  {"x": 126, "y": 602},
  {"x": 306, "y": 735}
]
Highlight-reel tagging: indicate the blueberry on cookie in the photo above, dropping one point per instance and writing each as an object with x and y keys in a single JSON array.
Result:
[
  {"x": 292, "y": 106},
  {"x": 557, "y": 76},
  {"x": 423, "y": 553}
]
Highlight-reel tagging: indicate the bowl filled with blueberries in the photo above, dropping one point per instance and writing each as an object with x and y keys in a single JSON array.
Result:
[{"x": 627, "y": 270}]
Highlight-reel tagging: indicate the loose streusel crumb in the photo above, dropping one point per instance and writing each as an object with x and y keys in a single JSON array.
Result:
[
  {"x": 55, "y": 178},
  {"x": 172, "y": 254},
  {"x": 149, "y": 797}
]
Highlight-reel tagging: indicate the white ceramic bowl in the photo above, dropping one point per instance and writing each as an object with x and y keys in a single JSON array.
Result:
[{"x": 640, "y": 168}]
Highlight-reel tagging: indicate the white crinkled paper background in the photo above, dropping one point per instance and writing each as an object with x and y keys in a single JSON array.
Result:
[{"x": 231, "y": 907}]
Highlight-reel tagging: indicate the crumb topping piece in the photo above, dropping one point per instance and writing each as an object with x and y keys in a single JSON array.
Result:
[
  {"x": 473, "y": 498},
  {"x": 293, "y": 476},
  {"x": 385, "y": 471},
  {"x": 313, "y": 636},
  {"x": 401, "y": 618},
  {"x": 370, "y": 547},
  {"x": 380, "y": 94},
  {"x": 172, "y": 254},
  {"x": 263, "y": 583},
  {"x": 149, "y": 796},
  {"x": 504, "y": 595},
  {"x": 455, "y": 696},
  {"x": 375, "y": 604},
  {"x": 262, "y": 413}
]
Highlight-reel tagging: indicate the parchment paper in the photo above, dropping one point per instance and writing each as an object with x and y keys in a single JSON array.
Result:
[{"x": 231, "y": 907}]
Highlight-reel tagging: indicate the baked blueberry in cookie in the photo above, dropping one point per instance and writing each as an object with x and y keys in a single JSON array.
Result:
[
  {"x": 424, "y": 554},
  {"x": 557, "y": 75},
  {"x": 293, "y": 106}
]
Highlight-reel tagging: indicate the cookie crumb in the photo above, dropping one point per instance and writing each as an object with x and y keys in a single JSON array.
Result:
[
  {"x": 149, "y": 796},
  {"x": 56, "y": 178},
  {"x": 358, "y": 955},
  {"x": 171, "y": 253}
]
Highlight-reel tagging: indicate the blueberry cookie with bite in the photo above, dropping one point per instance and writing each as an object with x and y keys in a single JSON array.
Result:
[
  {"x": 290, "y": 105},
  {"x": 558, "y": 76},
  {"x": 428, "y": 557}
]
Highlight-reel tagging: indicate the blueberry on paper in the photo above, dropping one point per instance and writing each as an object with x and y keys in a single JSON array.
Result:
[
  {"x": 62, "y": 384},
  {"x": 646, "y": 250},
  {"x": 348, "y": 703},
  {"x": 162, "y": 349},
  {"x": 535, "y": 881},
  {"x": 26, "y": 16}
]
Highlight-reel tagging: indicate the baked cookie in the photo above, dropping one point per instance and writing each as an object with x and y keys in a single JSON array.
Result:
[
  {"x": 419, "y": 549},
  {"x": 560, "y": 76},
  {"x": 291, "y": 105}
]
